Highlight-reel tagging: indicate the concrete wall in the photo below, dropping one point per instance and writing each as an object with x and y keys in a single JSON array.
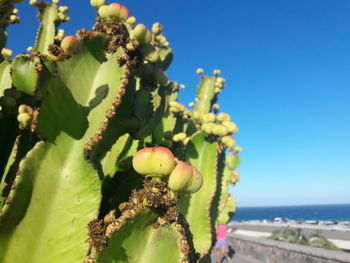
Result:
[{"x": 271, "y": 251}]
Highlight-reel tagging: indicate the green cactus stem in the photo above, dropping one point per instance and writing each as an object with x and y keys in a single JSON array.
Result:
[
  {"x": 196, "y": 207},
  {"x": 149, "y": 225},
  {"x": 56, "y": 168},
  {"x": 48, "y": 15}
]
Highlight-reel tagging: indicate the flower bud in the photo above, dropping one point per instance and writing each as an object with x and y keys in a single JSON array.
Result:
[
  {"x": 219, "y": 130},
  {"x": 207, "y": 128},
  {"x": 157, "y": 28},
  {"x": 97, "y": 3},
  {"x": 25, "y": 109},
  {"x": 141, "y": 34},
  {"x": 181, "y": 136},
  {"x": 209, "y": 117},
  {"x": 25, "y": 119},
  {"x": 223, "y": 117},
  {"x": 200, "y": 71},
  {"x": 197, "y": 115},
  {"x": 229, "y": 141},
  {"x": 63, "y": 9},
  {"x": 231, "y": 126},
  {"x": 131, "y": 20},
  {"x": 103, "y": 12},
  {"x": 71, "y": 45},
  {"x": 217, "y": 72},
  {"x": 6, "y": 52},
  {"x": 154, "y": 161}
]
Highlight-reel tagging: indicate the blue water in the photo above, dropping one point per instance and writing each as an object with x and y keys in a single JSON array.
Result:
[{"x": 305, "y": 212}]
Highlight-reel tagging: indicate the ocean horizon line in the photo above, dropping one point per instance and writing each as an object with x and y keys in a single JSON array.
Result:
[{"x": 296, "y": 205}]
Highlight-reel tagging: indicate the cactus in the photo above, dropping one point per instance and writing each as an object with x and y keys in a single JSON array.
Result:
[{"x": 96, "y": 147}]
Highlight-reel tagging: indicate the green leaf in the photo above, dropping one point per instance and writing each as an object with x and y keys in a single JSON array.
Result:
[{"x": 202, "y": 154}]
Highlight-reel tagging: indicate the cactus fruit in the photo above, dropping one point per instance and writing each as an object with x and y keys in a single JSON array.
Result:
[
  {"x": 71, "y": 45},
  {"x": 154, "y": 161},
  {"x": 185, "y": 179},
  {"x": 118, "y": 12}
]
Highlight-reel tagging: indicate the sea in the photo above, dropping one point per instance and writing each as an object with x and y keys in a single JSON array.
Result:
[{"x": 339, "y": 212}]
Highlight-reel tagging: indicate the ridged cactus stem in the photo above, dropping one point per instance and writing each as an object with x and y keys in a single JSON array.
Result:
[{"x": 205, "y": 94}]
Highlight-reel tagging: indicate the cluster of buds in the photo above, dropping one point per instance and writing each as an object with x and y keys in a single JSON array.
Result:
[
  {"x": 160, "y": 163},
  {"x": 62, "y": 11},
  {"x": 181, "y": 137},
  {"x": 25, "y": 116},
  {"x": 13, "y": 18},
  {"x": 6, "y": 53},
  {"x": 71, "y": 45},
  {"x": 60, "y": 35},
  {"x": 218, "y": 125},
  {"x": 113, "y": 12},
  {"x": 158, "y": 37},
  {"x": 178, "y": 108}
]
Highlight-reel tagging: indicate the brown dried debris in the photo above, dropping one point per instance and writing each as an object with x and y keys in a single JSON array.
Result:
[
  {"x": 58, "y": 52},
  {"x": 97, "y": 238}
]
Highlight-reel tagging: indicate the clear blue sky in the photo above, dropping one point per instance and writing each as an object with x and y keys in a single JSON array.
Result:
[{"x": 287, "y": 66}]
